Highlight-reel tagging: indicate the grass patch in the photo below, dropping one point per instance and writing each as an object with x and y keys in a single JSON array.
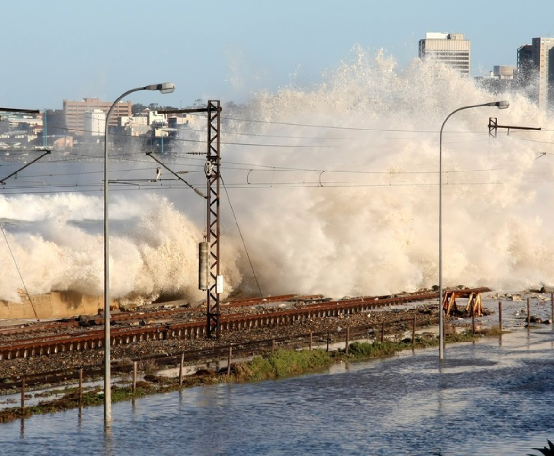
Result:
[
  {"x": 282, "y": 363},
  {"x": 366, "y": 350}
]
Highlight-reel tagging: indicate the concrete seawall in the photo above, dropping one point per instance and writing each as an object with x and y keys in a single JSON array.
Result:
[{"x": 63, "y": 304}]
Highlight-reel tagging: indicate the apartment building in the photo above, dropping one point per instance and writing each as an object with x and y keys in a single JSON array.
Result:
[{"x": 74, "y": 112}]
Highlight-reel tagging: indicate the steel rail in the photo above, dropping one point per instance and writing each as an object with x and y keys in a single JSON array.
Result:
[
  {"x": 50, "y": 344},
  {"x": 240, "y": 350}
]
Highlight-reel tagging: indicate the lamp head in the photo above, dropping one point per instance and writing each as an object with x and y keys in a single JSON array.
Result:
[
  {"x": 499, "y": 104},
  {"x": 166, "y": 87}
]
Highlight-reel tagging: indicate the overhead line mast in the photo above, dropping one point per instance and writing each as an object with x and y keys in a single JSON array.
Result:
[
  {"x": 493, "y": 127},
  {"x": 214, "y": 285}
]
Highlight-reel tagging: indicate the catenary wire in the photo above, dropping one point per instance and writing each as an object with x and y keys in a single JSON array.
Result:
[
  {"x": 19, "y": 272},
  {"x": 241, "y": 236}
]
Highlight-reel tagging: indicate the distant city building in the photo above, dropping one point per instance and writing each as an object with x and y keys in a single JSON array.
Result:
[
  {"x": 63, "y": 142},
  {"x": 134, "y": 125},
  {"x": 20, "y": 131},
  {"x": 503, "y": 72},
  {"x": 499, "y": 80},
  {"x": 451, "y": 49},
  {"x": 75, "y": 112},
  {"x": 95, "y": 123},
  {"x": 143, "y": 123},
  {"x": 54, "y": 122},
  {"x": 524, "y": 63},
  {"x": 543, "y": 65},
  {"x": 535, "y": 72}
]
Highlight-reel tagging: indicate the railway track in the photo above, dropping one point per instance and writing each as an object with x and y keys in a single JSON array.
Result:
[
  {"x": 313, "y": 308},
  {"x": 205, "y": 355}
]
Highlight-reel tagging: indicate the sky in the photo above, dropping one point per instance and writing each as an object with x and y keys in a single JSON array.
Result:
[{"x": 230, "y": 50}]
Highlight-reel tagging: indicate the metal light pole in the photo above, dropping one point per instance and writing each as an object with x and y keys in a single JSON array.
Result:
[
  {"x": 166, "y": 87},
  {"x": 500, "y": 105}
]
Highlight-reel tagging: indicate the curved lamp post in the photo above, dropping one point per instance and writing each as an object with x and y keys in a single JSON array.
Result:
[
  {"x": 166, "y": 87},
  {"x": 500, "y": 105}
]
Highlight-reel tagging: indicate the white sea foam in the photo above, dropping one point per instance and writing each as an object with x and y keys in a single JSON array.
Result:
[
  {"x": 153, "y": 251},
  {"x": 378, "y": 233},
  {"x": 347, "y": 211}
]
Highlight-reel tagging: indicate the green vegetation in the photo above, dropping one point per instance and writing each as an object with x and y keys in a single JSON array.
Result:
[
  {"x": 282, "y": 363},
  {"x": 365, "y": 350}
]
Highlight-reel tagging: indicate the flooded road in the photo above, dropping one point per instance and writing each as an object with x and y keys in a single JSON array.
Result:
[{"x": 490, "y": 397}]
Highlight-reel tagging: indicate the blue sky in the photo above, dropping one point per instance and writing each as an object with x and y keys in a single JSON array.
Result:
[{"x": 70, "y": 49}]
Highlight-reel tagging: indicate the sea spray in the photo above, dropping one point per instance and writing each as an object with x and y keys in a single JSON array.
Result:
[
  {"x": 335, "y": 188},
  {"x": 354, "y": 209},
  {"x": 152, "y": 254}
]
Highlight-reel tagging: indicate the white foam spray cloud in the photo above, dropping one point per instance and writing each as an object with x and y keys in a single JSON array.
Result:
[
  {"x": 339, "y": 196},
  {"x": 152, "y": 249},
  {"x": 352, "y": 233}
]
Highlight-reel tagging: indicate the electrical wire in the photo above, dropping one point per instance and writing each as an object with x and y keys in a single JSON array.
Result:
[
  {"x": 245, "y": 166},
  {"x": 22, "y": 183},
  {"x": 19, "y": 272},
  {"x": 333, "y": 127},
  {"x": 258, "y": 185},
  {"x": 241, "y": 236}
]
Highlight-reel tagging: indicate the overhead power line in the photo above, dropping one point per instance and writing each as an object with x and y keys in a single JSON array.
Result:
[
  {"x": 19, "y": 272},
  {"x": 198, "y": 192},
  {"x": 335, "y": 127},
  {"x": 242, "y": 237}
]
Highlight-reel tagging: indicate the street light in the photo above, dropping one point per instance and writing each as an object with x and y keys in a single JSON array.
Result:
[
  {"x": 500, "y": 105},
  {"x": 166, "y": 87}
]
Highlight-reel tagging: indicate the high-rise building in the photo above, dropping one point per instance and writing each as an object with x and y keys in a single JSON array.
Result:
[
  {"x": 524, "y": 60},
  {"x": 524, "y": 74},
  {"x": 543, "y": 66},
  {"x": 450, "y": 48},
  {"x": 75, "y": 112}
]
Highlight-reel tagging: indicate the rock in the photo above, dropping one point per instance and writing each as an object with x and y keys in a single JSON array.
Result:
[
  {"x": 128, "y": 307},
  {"x": 86, "y": 320},
  {"x": 153, "y": 379},
  {"x": 203, "y": 372}
]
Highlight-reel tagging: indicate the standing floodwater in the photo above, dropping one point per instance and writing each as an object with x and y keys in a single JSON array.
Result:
[{"x": 492, "y": 397}]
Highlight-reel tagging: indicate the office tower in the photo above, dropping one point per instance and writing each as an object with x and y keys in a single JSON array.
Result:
[
  {"x": 543, "y": 66},
  {"x": 524, "y": 73},
  {"x": 450, "y": 48},
  {"x": 524, "y": 60}
]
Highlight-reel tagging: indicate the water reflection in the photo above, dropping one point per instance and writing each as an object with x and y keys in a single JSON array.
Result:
[{"x": 108, "y": 441}]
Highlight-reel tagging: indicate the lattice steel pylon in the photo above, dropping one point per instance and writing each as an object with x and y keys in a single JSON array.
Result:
[
  {"x": 213, "y": 177},
  {"x": 213, "y": 233}
]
